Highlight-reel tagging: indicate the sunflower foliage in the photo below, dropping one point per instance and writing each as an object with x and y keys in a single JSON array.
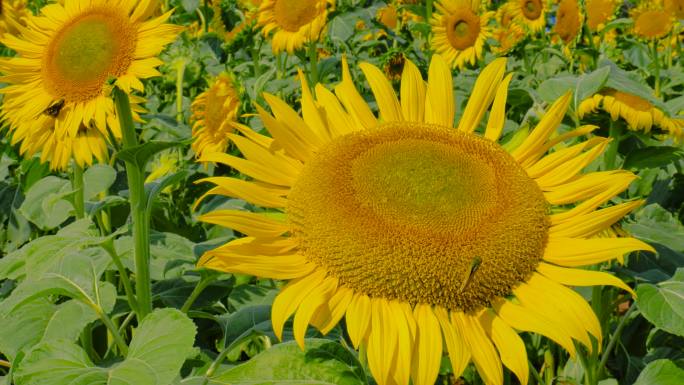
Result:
[{"x": 180, "y": 184}]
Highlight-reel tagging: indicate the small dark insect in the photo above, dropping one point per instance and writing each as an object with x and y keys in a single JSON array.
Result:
[
  {"x": 54, "y": 109},
  {"x": 474, "y": 265}
]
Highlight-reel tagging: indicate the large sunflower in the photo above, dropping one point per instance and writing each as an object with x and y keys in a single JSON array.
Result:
[
  {"x": 599, "y": 12},
  {"x": 418, "y": 233},
  {"x": 569, "y": 21},
  {"x": 294, "y": 22},
  {"x": 459, "y": 30},
  {"x": 639, "y": 113},
  {"x": 213, "y": 113},
  {"x": 530, "y": 13},
  {"x": 58, "y": 84}
]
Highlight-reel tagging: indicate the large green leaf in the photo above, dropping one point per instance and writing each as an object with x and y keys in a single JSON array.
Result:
[
  {"x": 97, "y": 178},
  {"x": 590, "y": 83},
  {"x": 159, "y": 347},
  {"x": 661, "y": 372},
  {"x": 45, "y": 204},
  {"x": 653, "y": 157},
  {"x": 286, "y": 363},
  {"x": 663, "y": 304},
  {"x": 656, "y": 225}
]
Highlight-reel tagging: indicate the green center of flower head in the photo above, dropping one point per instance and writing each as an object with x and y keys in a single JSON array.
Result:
[
  {"x": 461, "y": 28},
  {"x": 421, "y": 214},
  {"x": 86, "y": 52},
  {"x": 291, "y": 15}
]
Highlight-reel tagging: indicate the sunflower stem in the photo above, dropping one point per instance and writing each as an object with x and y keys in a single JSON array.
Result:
[
  {"x": 140, "y": 219},
  {"x": 656, "y": 71},
  {"x": 77, "y": 186},
  {"x": 204, "y": 282},
  {"x": 108, "y": 246},
  {"x": 428, "y": 10},
  {"x": 611, "y": 153},
  {"x": 614, "y": 339},
  {"x": 180, "y": 73},
  {"x": 313, "y": 61},
  {"x": 114, "y": 331}
]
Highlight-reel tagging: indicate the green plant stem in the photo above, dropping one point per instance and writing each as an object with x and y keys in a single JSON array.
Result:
[
  {"x": 203, "y": 283},
  {"x": 656, "y": 72},
  {"x": 5, "y": 364},
  {"x": 536, "y": 374},
  {"x": 123, "y": 274},
  {"x": 313, "y": 61},
  {"x": 428, "y": 10},
  {"x": 123, "y": 348},
  {"x": 614, "y": 339},
  {"x": 180, "y": 73},
  {"x": 611, "y": 153},
  {"x": 141, "y": 222},
  {"x": 77, "y": 185},
  {"x": 256, "y": 50}
]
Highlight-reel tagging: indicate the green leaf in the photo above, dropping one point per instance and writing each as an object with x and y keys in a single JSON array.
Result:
[
  {"x": 654, "y": 224},
  {"x": 590, "y": 83},
  {"x": 45, "y": 205},
  {"x": 552, "y": 89},
  {"x": 241, "y": 323},
  {"x": 154, "y": 188},
  {"x": 663, "y": 304},
  {"x": 652, "y": 157},
  {"x": 286, "y": 363},
  {"x": 141, "y": 154},
  {"x": 159, "y": 347},
  {"x": 97, "y": 178},
  {"x": 171, "y": 255},
  {"x": 661, "y": 372}
]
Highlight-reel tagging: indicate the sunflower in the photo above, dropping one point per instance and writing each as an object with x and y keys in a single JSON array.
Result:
[
  {"x": 675, "y": 7},
  {"x": 599, "y": 12},
  {"x": 530, "y": 13},
  {"x": 58, "y": 94},
  {"x": 651, "y": 20},
  {"x": 418, "y": 233},
  {"x": 639, "y": 113},
  {"x": 13, "y": 16},
  {"x": 294, "y": 22},
  {"x": 213, "y": 113},
  {"x": 507, "y": 38},
  {"x": 459, "y": 30},
  {"x": 569, "y": 20}
]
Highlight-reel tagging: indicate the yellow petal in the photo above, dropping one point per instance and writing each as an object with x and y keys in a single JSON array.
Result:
[
  {"x": 412, "y": 93},
  {"x": 485, "y": 357},
  {"x": 308, "y": 307},
  {"x": 358, "y": 319},
  {"x": 253, "y": 169},
  {"x": 482, "y": 95},
  {"x": 439, "y": 105},
  {"x": 459, "y": 353},
  {"x": 382, "y": 341},
  {"x": 353, "y": 101},
  {"x": 402, "y": 368},
  {"x": 574, "y": 252},
  {"x": 326, "y": 318},
  {"x": 497, "y": 116},
  {"x": 583, "y": 226},
  {"x": 246, "y": 222},
  {"x": 288, "y": 300},
  {"x": 428, "y": 354},
  {"x": 390, "y": 110},
  {"x": 579, "y": 277},
  {"x": 310, "y": 111},
  {"x": 259, "y": 194},
  {"x": 509, "y": 344}
]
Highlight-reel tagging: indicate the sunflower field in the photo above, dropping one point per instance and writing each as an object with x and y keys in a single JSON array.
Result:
[{"x": 341, "y": 192}]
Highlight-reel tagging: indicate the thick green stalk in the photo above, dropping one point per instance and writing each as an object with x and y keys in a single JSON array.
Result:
[
  {"x": 610, "y": 157},
  {"x": 77, "y": 185},
  {"x": 313, "y": 60},
  {"x": 180, "y": 73},
  {"x": 141, "y": 222},
  {"x": 656, "y": 72},
  {"x": 614, "y": 339},
  {"x": 204, "y": 281}
]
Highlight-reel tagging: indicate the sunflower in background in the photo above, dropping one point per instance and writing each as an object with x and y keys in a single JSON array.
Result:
[
  {"x": 293, "y": 22},
  {"x": 600, "y": 12},
  {"x": 213, "y": 113},
  {"x": 639, "y": 113},
  {"x": 675, "y": 7},
  {"x": 530, "y": 13},
  {"x": 569, "y": 21},
  {"x": 507, "y": 33},
  {"x": 651, "y": 20},
  {"x": 459, "y": 31},
  {"x": 388, "y": 16},
  {"x": 58, "y": 96},
  {"x": 13, "y": 16},
  {"x": 423, "y": 235}
]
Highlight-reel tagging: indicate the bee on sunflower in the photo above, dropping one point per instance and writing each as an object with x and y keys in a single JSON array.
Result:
[
  {"x": 58, "y": 99},
  {"x": 459, "y": 31},
  {"x": 420, "y": 232}
]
